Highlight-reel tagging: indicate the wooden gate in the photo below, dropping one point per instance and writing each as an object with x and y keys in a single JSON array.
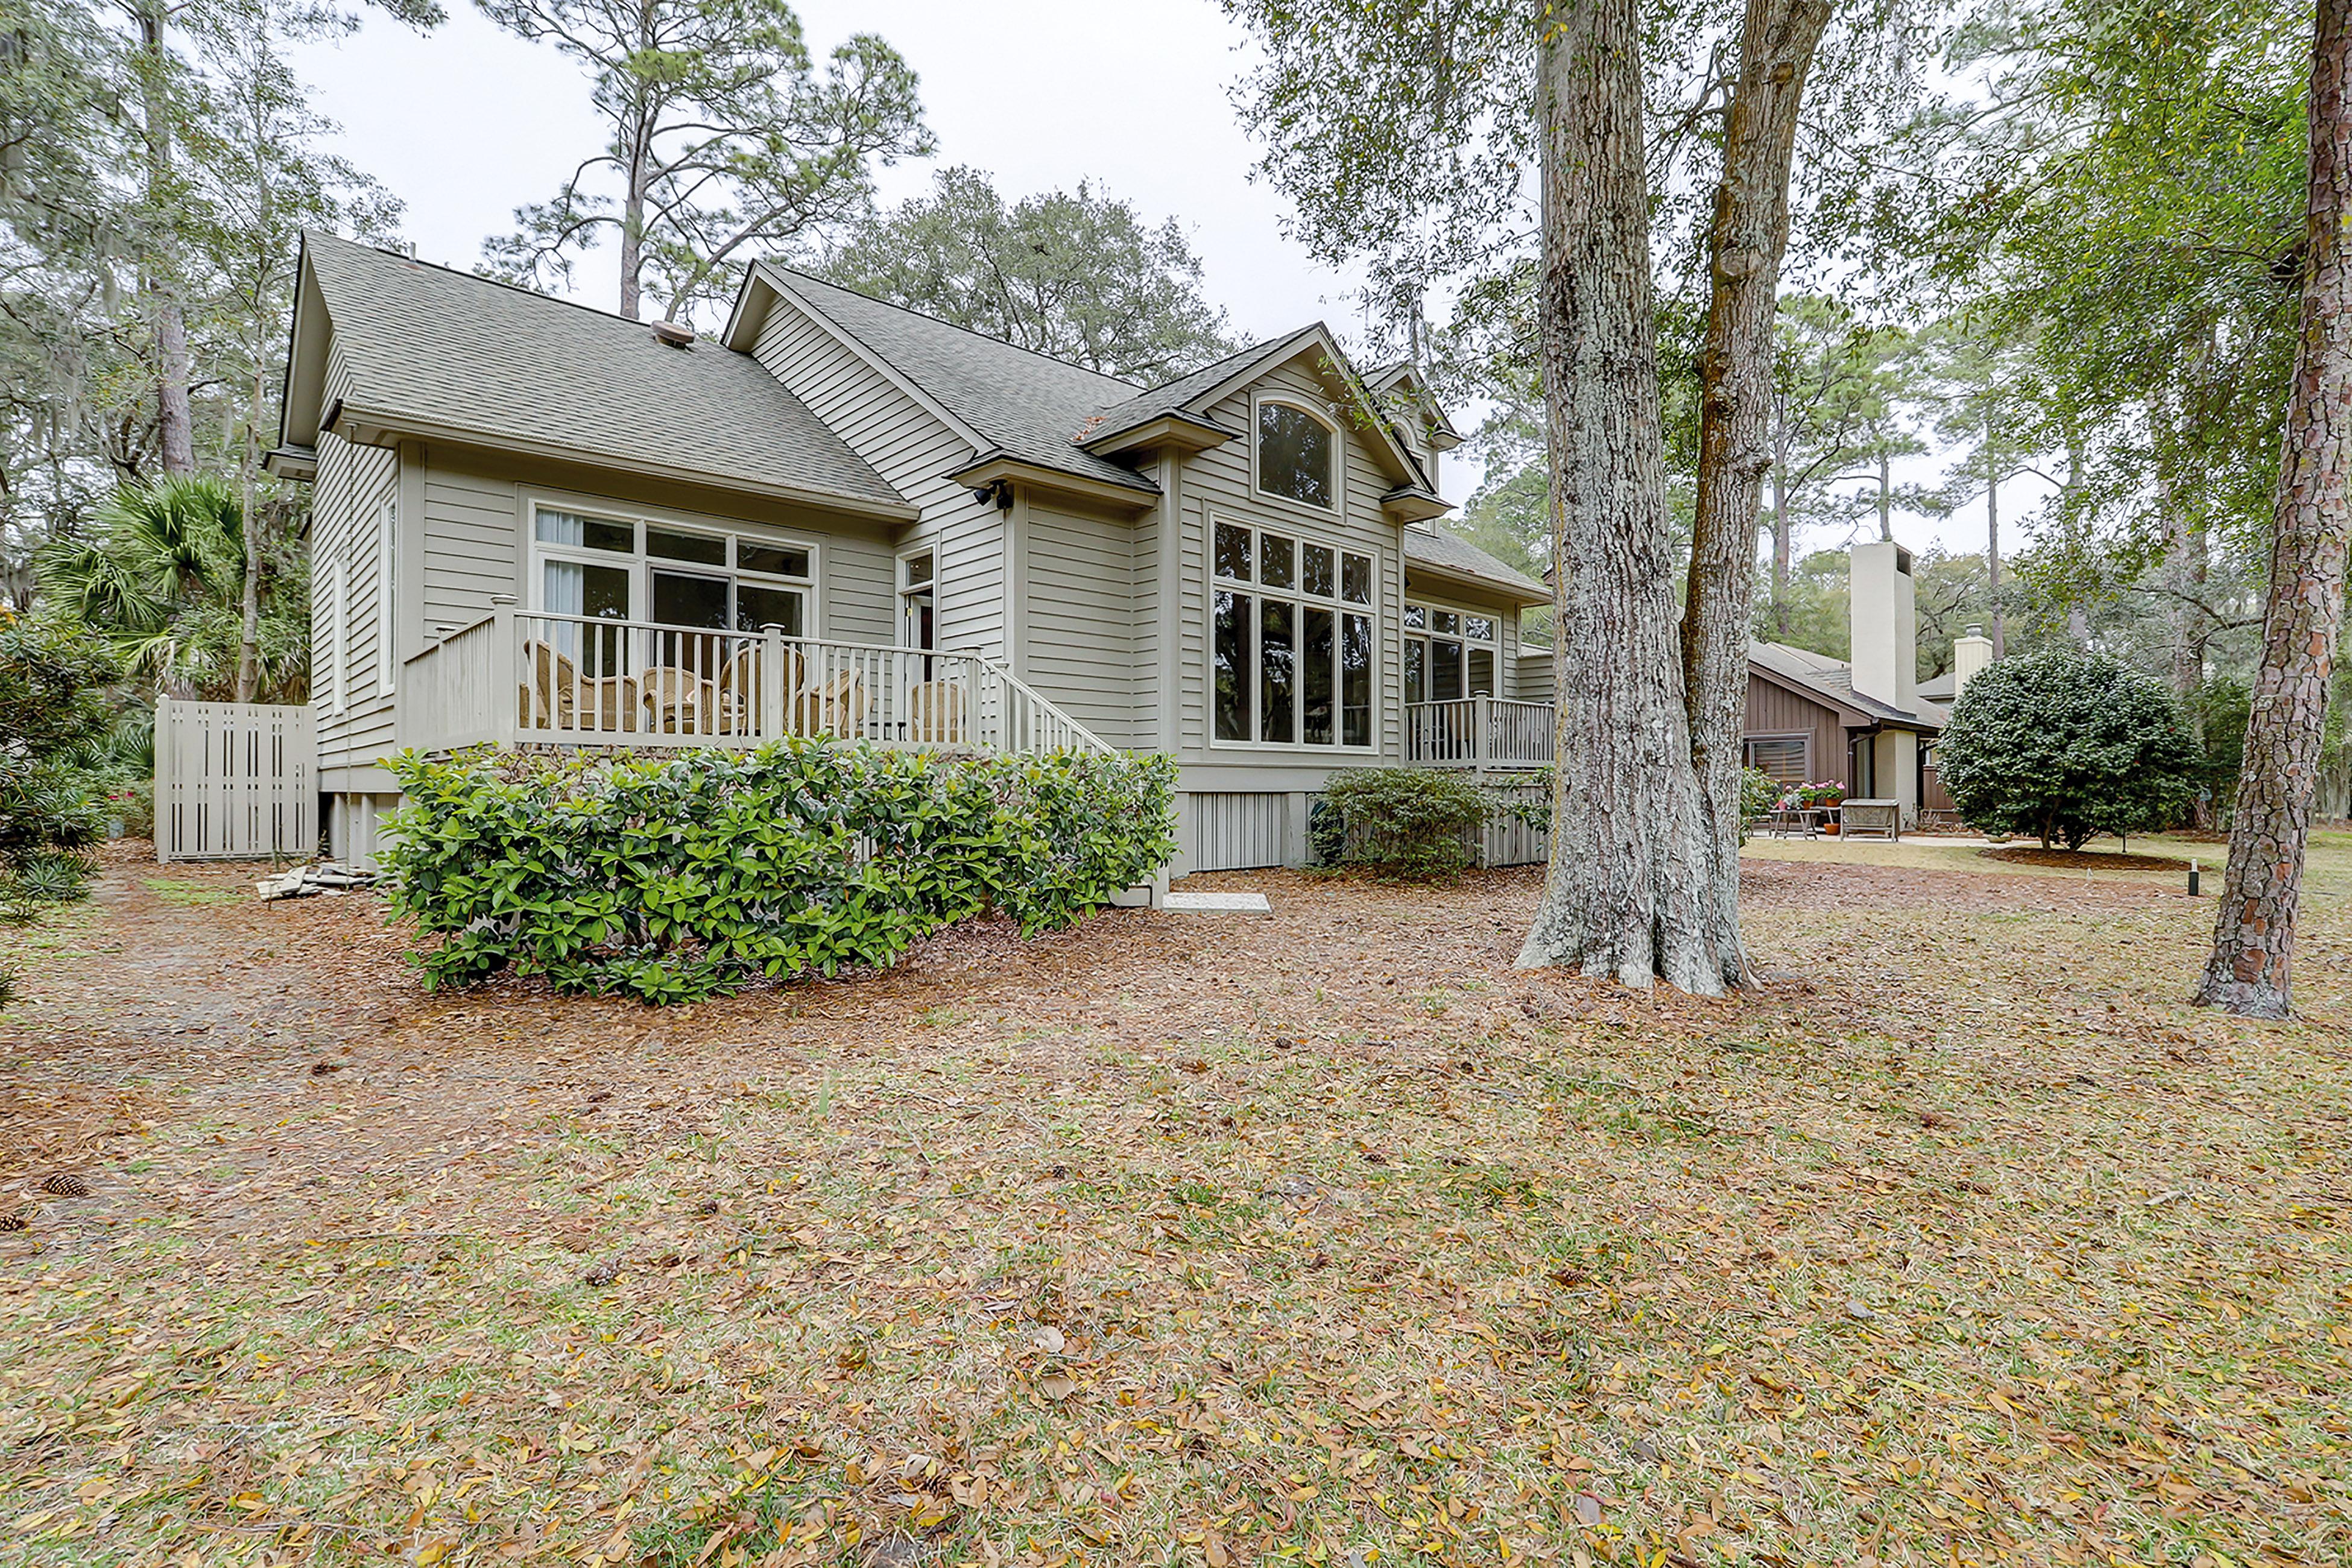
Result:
[{"x": 234, "y": 780}]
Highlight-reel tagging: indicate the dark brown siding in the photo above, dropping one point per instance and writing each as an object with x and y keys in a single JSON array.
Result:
[
  {"x": 1934, "y": 797},
  {"x": 1774, "y": 711}
]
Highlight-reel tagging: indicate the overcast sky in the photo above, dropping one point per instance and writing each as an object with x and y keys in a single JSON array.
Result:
[{"x": 468, "y": 123}]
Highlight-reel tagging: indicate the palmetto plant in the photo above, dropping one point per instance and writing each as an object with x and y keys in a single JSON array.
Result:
[{"x": 160, "y": 577}]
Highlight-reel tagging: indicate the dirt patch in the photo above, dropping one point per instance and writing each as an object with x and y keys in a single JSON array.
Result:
[{"x": 2088, "y": 860}]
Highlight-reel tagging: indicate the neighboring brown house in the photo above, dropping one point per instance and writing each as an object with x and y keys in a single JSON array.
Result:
[
  {"x": 1859, "y": 723},
  {"x": 1806, "y": 724}
]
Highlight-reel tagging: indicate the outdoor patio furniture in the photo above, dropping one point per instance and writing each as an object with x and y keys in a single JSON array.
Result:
[
  {"x": 935, "y": 713},
  {"x": 552, "y": 694},
  {"x": 679, "y": 701},
  {"x": 742, "y": 685},
  {"x": 831, "y": 705},
  {"x": 1870, "y": 819}
]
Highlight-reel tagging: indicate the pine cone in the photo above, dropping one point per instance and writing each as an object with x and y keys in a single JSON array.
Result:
[
  {"x": 14, "y": 1222},
  {"x": 67, "y": 1186}
]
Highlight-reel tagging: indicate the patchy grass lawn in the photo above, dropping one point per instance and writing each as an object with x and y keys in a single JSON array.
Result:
[{"x": 1203, "y": 1239}]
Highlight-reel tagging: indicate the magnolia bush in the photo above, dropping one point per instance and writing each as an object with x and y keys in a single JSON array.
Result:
[
  {"x": 684, "y": 875},
  {"x": 2065, "y": 745}
]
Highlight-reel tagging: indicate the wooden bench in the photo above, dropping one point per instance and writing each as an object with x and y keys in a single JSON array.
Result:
[{"x": 1870, "y": 819}]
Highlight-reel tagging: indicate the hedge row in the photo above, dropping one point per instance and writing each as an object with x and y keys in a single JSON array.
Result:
[{"x": 685, "y": 876}]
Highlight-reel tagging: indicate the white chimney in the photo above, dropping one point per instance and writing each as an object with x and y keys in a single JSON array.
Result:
[
  {"x": 1971, "y": 654},
  {"x": 1882, "y": 611}
]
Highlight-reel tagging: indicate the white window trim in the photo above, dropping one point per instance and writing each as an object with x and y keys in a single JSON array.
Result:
[
  {"x": 907, "y": 589},
  {"x": 1297, "y": 597},
  {"x": 1338, "y": 506},
  {"x": 641, "y": 566},
  {"x": 1406, "y": 633},
  {"x": 388, "y": 596}
]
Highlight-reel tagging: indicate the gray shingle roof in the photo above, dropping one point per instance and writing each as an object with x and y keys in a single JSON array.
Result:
[
  {"x": 1444, "y": 552},
  {"x": 462, "y": 353},
  {"x": 1025, "y": 404},
  {"x": 1173, "y": 396}
]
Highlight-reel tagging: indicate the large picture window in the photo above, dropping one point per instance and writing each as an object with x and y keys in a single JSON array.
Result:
[
  {"x": 1297, "y": 455},
  {"x": 1291, "y": 640},
  {"x": 1449, "y": 654},
  {"x": 621, "y": 568}
]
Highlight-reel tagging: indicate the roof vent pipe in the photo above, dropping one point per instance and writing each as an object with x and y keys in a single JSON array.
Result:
[{"x": 675, "y": 334}]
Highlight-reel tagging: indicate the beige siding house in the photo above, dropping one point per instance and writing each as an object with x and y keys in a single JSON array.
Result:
[{"x": 537, "y": 522}]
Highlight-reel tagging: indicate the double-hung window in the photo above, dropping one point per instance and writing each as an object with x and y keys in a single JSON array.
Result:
[
  {"x": 1292, "y": 643},
  {"x": 1448, "y": 654}
]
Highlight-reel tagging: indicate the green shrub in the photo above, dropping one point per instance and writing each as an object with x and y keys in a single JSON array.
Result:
[
  {"x": 675, "y": 878},
  {"x": 1758, "y": 792},
  {"x": 1407, "y": 822},
  {"x": 56, "y": 712},
  {"x": 2064, "y": 745},
  {"x": 50, "y": 877}
]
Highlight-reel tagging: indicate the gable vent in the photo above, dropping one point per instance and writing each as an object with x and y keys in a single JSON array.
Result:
[{"x": 677, "y": 334}]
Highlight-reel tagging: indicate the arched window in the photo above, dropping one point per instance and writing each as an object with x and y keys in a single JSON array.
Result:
[{"x": 1297, "y": 455}]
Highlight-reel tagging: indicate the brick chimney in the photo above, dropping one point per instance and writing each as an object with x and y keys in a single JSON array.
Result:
[{"x": 1882, "y": 611}]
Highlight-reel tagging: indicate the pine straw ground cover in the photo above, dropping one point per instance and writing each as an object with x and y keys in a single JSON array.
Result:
[{"x": 1213, "y": 1240}]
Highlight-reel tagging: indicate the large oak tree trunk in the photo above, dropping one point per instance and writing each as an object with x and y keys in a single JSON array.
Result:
[
  {"x": 1745, "y": 245},
  {"x": 1625, "y": 895},
  {"x": 2254, "y": 934}
]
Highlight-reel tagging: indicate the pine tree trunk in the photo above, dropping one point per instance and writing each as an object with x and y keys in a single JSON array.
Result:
[
  {"x": 249, "y": 646},
  {"x": 1780, "y": 549},
  {"x": 2253, "y": 932},
  {"x": 1625, "y": 895},
  {"x": 633, "y": 254},
  {"x": 1745, "y": 245},
  {"x": 1992, "y": 546},
  {"x": 175, "y": 425}
]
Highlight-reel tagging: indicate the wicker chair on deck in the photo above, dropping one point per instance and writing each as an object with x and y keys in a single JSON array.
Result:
[
  {"x": 553, "y": 696},
  {"x": 742, "y": 686},
  {"x": 831, "y": 705},
  {"x": 935, "y": 713}
]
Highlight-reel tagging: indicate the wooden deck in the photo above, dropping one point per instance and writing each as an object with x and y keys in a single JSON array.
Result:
[{"x": 523, "y": 678}]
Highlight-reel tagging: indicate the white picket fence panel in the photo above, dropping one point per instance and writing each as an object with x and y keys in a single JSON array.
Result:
[{"x": 234, "y": 780}]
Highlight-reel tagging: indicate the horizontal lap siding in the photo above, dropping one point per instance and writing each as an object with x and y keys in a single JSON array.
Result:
[
  {"x": 1147, "y": 685},
  {"x": 1218, "y": 482},
  {"x": 1532, "y": 679},
  {"x": 353, "y": 485},
  {"x": 472, "y": 536},
  {"x": 1080, "y": 652},
  {"x": 475, "y": 544},
  {"x": 854, "y": 601},
  {"x": 909, "y": 446}
]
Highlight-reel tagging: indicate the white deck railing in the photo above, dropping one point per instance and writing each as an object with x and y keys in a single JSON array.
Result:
[
  {"x": 1491, "y": 733},
  {"x": 520, "y": 677}
]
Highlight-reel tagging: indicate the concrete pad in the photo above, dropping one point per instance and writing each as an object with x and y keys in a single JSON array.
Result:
[{"x": 1230, "y": 903}]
